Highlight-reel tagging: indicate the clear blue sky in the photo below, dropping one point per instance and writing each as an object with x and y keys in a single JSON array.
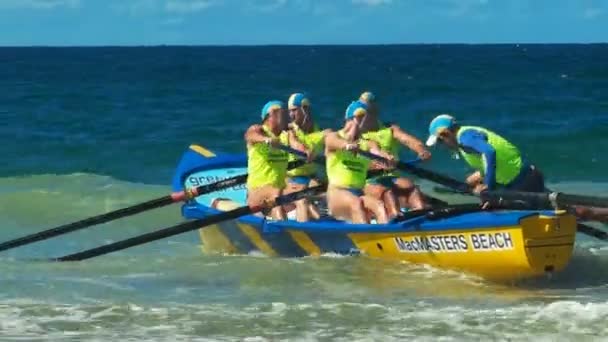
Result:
[{"x": 226, "y": 22}]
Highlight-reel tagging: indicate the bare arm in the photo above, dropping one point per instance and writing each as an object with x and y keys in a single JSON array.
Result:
[
  {"x": 294, "y": 142},
  {"x": 410, "y": 141},
  {"x": 255, "y": 134},
  {"x": 333, "y": 142},
  {"x": 374, "y": 148}
]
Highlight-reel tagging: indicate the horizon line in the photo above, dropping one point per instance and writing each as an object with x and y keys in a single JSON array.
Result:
[{"x": 289, "y": 45}]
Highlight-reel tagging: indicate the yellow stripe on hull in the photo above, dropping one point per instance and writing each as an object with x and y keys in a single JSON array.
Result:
[
  {"x": 535, "y": 246},
  {"x": 257, "y": 239},
  {"x": 203, "y": 151},
  {"x": 214, "y": 241},
  {"x": 304, "y": 241}
]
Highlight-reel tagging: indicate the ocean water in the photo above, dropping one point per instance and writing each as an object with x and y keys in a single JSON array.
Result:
[{"x": 90, "y": 130}]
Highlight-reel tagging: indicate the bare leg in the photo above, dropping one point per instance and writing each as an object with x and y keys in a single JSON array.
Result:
[
  {"x": 224, "y": 204},
  {"x": 376, "y": 206},
  {"x": 263, "y": 194},
  {"x": 301, "y": 205},
  {"x": 345, "y": 205},
  {"x": 391, "y": 203},
  {"x": 409, "y": 195},
  {"x": 304, "y": 208},
  {"x": 385, "y": 195}
]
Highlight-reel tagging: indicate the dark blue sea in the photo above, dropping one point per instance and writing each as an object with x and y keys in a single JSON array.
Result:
[{"x": 89, "y": 130}]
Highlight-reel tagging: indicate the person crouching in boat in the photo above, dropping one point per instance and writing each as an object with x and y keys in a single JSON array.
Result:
[
  {"x": 389, "y": 137},
  {"x": 267, "y": 165},
  {"x": 498, "y": 163},
  {"x": 347, "y": 170},
  {"x": 302, "y": 128}
]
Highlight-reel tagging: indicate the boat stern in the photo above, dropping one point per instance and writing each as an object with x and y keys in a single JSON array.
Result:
[{"x": 549, "y": 241}]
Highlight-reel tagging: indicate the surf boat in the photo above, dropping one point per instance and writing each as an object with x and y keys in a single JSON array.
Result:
[{"x": 499, "y": 245}]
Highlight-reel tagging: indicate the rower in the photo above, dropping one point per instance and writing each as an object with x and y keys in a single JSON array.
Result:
[
  {"x": 303, "y": 128},
  {"x": 389, "y": 137},
  {"x": 267, "y": 165},
  {"x": 498, "y": 163},
  {"x": 347, "y": 171}
]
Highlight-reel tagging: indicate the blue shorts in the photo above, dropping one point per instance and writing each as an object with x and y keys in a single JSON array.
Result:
[
  {"x": 302, "y": 180},
  {"x": 356, "y": 192},
  {"x": 385, "y": 181}
]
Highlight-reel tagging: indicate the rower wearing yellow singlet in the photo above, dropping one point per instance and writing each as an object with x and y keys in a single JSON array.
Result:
[
  {"x": 267, "y": 165},
  {"x": 347, "y": 170},
  {"x": 303, "y": 129},
  {"x": 390, "y": 138}
]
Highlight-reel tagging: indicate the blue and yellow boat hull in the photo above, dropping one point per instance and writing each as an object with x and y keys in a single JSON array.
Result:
[{"x": 501, "y": 245}]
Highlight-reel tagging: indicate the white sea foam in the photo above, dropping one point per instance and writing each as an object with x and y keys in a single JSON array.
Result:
[{"x": 561, "y": 320}]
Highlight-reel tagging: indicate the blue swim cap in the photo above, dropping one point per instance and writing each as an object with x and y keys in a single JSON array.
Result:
[
  {"x": 367, "y": 97},
  {"x": 270, "y": 105},
  {"x": 298, "y": 100},
  {"x": 356, "y": 108},
  {"x": 439, "y": 123}
]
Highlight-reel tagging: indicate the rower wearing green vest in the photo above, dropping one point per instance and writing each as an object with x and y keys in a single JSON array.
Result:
[
  {"x": 391, "y": 137},
  {"x": 347, "y": 170},
  {"x": 304, "y": 129},
  {"x": 267, "y": 165},
  {"x": 498, "y": 162}
]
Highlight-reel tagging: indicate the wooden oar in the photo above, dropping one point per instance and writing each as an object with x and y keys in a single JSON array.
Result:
[
  {"x": 132, "y": 210},
  {"x": 188, "y": 226},
  {"x": 541, "y": 198}
]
